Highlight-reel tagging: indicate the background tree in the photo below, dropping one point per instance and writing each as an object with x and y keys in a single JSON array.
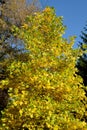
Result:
[
  {"x": 13, "y": 13},
  {"x": 16, "y": 11},
  {"x": 82, "y": 62},
  {"x": 45, "y": 92}
]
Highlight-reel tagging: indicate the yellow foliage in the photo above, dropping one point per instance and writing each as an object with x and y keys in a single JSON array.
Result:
[
  {"x": 48, "y": 9},
  {"x": 25, "y": 26},
  {"x": 46, "y": 93}
]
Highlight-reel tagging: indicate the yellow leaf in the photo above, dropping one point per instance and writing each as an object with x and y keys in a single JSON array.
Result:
[{"x": 21, "y": 112}]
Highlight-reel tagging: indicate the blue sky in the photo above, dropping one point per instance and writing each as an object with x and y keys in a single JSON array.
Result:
[{"x": 74, "y": 13}]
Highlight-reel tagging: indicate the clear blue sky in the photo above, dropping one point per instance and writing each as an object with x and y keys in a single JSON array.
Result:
[{"x": 74, "y": 13}]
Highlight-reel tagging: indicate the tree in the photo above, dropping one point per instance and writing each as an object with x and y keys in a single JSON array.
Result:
[
  {"x": 45, "y": 92},
  {"x": 16, "y": 11},
  {"x": 82, "y": 62}
]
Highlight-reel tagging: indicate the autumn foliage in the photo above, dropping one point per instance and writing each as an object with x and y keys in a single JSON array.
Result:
[{"x": 45, "y": 93}]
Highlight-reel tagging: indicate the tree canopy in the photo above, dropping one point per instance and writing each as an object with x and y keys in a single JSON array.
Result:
[{"x": 44, "y": 92}]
